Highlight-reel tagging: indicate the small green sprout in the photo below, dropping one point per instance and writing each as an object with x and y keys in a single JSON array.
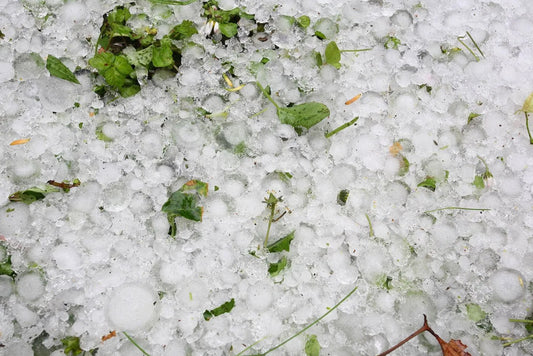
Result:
[{"x": 391, "y": 42}]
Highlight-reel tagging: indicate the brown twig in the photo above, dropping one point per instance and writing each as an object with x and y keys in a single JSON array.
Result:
[{"x": 425, "y": 327}]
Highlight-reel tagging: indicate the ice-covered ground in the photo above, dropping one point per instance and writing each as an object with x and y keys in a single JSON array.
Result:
[{"x": 99, "y": 257}]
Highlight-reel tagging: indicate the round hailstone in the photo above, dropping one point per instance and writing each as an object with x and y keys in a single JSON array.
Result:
[
  {"x": 132, "y": 307},
  {"x": 508, "y": 285},
  {"x": 66, "y": 257},
  {"x": 259, "y": 297},
  {"x": 24, "y": 169},
  {"x": 6, "y": 286},
  {"x": 30, "y": 286},
  {"x": 18, "y": 348}
]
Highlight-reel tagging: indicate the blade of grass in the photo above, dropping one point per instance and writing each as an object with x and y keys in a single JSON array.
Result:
[
  {"x": 454, "y": 208},
  {"x": 527, "y": 127},
  {"x": 136, "y": 345},
  {"x": 312, "y": 324},
  {"x": 460, "y": 39},
  {"x": 526, "y": 321},
  {"x": 355, "y": 50},
  {"x": 518, "y": 340},
  {"x": 342, "y": 127},
  {"x": 475, "y": 44},
  {"x": 267, "y": 95}
]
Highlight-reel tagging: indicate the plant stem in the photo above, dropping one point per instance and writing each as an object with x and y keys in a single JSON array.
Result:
[
  {"x": 468, "y": 48},
  {"x": 312, "y": 324},
  {"x": 136, "y": 345},
  {"x": 424, "y": 327},
  {"x": 454, "y": 208},
  {"x": 342, "y": 127},
  {"x": 371, "y": 232},
  {"x": 273, "y": 208},
  {"x": 527, "y": 321},
  {"x": 355, "y": 50},
  {"x": 475, "y": 44},
  {"x": 518, "y": 340},
  {"x": 267, "y": 95},
  {"x": 527, "y": 126}
]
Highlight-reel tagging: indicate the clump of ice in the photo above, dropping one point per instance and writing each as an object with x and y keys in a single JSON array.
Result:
[
  {"x": 132, "y": 307},
  {"x": 508, "y": 285}
]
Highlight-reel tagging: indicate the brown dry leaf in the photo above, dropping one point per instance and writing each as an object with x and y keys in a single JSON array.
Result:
[
  {"x": 395, "y": 148},
  {"x": 109, "y": 336},
  {"x": 453, "y": 348}
]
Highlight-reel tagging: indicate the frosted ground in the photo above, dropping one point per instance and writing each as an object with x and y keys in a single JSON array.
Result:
[{"x": 99, "y": 258}]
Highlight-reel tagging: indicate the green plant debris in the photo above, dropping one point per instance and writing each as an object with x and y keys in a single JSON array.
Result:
[
  {"x": 342, "y": 127},
  {"x": 528, "y": 323},
  {"x": 461, "y": 38},
  {"x": 404, "y": 165},
  {"x": 384, "y": 282},
  {"x": 471, "y": 117},
  {"x": 370, "y": 228},
  {"x": 454, "y": 208},
  {"x": 318, "y": 58},
  {"x": 183, "y": 31},
  {"x": 2, "y": 35},
  {"x": 304, "y": 115},
  {"x": 526, "y": 109},
  {"x": 184, "y": 203},
  {"x": 6, "y": 268},
  {"x": 320, "y": 35},
  {"x": 240, "y": 149},
  {"x": 275, "y": 268},
  {"x": 71, "y": 346},
  {"x": 136, "y": 344},
  {"x": 282, "y": 244},
  {"x": 427, "y": 87},
  {"x": 34, "y": 194},
  {"x": 100, "y": 134},
  {"x": 225, "y": 20},
  {"x": 59, "y": 70},
  {"x": 475, "y": 313},
  {"x": 330, "y": 310},
  {"x": 172, "y": 2},
  {"x": 478, "y": 182},
  {"x": 487, "y": 174},
  {"x": 303, "y": 21},
  {"x": 312, "y": 346},
  {"x": 333, "y": 55},
  {"x": 342, "y": 197},
  {"x": 116, "y": 71},
  {"x": 284, "y": 176},
  {"x": 391, "y": 42},
  {"x": 271, "y": 203},
  {"x": 428, "y": 183},
  {"x": 224, "y": 308}
]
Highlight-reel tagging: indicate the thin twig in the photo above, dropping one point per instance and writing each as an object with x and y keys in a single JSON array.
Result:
[
  {"x": 455, "y": 208},
  {"x": 424, "y": 327}
]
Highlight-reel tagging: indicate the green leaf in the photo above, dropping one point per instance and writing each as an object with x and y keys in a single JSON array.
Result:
[
  {"x": 392, "y": 42},
  {"x": 478, "y": 182},
  {"x": 6, "y": 267},
  {"x": 59, "y": 70},
  {"x": 303, "y": 115},
  {"x": 71, "y": 345},
  {"x": 282, "y": 244},
  {"x": 312, "y": 346},
  {"x": 141, "y": 57},
  {"x": 318, "y": 59},
  {"x": 472, "y": 116},
  {"x": 122, "y": 65},
  {"x": 119, "y": 15},
  {"x": 195, "y": 185},
  {"x": 428, "y": 183},
  {"x": 129, "y": 90},
  {"x": 320, "y": 35},
  {"x": 475, "y": 313},
  {"x": 333, "y": 55},
  {"x": 275, "y": 268},
  {"x": 114, "y": 78},
  {"x": 38, "y": 59},
  {"x": 228, "y": 29},
  {"x": 303, "y": 21},
  {"x": 182, "y": 31},
  {"x": 342, "y": 197},
  {"x": 162, "y": 55},
  {"x": 224, "y": 308},
  {"x": 184, "y": 205},
  {"x": 102, "y": 61}
]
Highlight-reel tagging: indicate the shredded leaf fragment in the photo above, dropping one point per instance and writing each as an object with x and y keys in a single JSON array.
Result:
[
  {"x": 222, "y": 309},
  {"x": 19, "y": 142}
]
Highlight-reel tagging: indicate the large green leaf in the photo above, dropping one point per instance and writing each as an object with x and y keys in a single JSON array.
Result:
[
  {"x": 333, "y": 55},
  {"x": 184, "y": 205},
  {"x": 162, "y": 55},
  {"x": 282, "y": 244},
  {"x": 102, "y": 61},
  {"x": 228, "y": 29},
  {"x": 303, "y": 115},
  {"x": 182, "y": 31},
  {"x": 113, "y": 77},
  {"x": 58, "y": 69}
]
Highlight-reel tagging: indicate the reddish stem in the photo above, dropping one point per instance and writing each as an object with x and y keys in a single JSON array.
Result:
[{"x": 424, "y": 327}]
